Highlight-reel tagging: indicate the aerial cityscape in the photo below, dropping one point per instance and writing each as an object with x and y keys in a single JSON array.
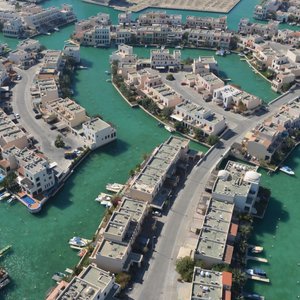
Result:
[{"x": 149, "y": 149}]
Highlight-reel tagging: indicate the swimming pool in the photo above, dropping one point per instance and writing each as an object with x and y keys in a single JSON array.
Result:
[{"x": 28, "y": 200}]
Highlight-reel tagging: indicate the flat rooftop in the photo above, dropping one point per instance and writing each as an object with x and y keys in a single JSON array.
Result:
[
  {"x": 91, "y": 281},
  {"x": 112, "y": 250},
  {"x": 134, "y": 208},
  {"x": 118, "y": 224},
  {"x": 96, "y": 124}
]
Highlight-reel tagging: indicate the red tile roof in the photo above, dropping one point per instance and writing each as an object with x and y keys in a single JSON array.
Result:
[
  {"x": 227, "y": 279},
  {"x": 234, "y": 229},
  {"x": 228, "y": 254}
]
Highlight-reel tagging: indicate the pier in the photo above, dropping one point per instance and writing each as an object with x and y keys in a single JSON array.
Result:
[
  {"x": 257, "y": 278},
  {"x": 255, "y": 258}
]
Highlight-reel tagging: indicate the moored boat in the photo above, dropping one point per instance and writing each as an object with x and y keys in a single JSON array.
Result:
[
  {"x": 4, "y": 250},
  {"x": 78, "y": 242},
  {"x": 287, "y": 170},
  {"x": 114, "y": 187},
  {"x": 4, "y": 196},
  {"x": 256, "y": 249},
  {"x": 256, "y": 272},
  {"x": 170, "y": 129}
]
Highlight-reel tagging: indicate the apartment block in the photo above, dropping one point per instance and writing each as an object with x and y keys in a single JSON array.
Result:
[
  {"x": 162, "y": 58},
  {"x": 44, "y": 91},
  {"x": 230, "y": 96},
  {"x": 265, "y": 30},
  {"x": 123, "y": 35},
  {"x": 210, "y": 38},
  {"x": 146, "y": 185},
  {"x": 204, "y": 64},
  {"x": 67, "y": 111},
  {"x": 195, "y": 116},
  {"x": 159, "y": 17},
  {"x": 124, "y": 18},
  {"x": 72, "y": 51},
  {"x": 206, "y": 22},
  {"x": 208, "y": 81},
  {"x": 113, "y": 251},
  {"x": 98, "y": 36},
  {"x": 35, "y": 174},
  {"x": 98, "y": 133},
  {"x": 216, "y": 238},
  {"x": 208, "y": 284},
  {"x": 22, "y": 58},
  {"x": 52, "y": 60},
  {"x": 13, "y": 28},
  {"x": 10, "y": 134},
  {"x": 124, "y": 54},
  {"x": 92, "y": 283},
  {"x": 237, "y": 184}
]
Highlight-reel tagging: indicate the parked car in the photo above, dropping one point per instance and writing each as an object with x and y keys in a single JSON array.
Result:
[
  {"x": 19, "y": 77},
  {"x": 156, "y": 213},
  {"x": 35, "y": 111},
  {"x": 17, "y": 116},
  {"x": 183, "y": 83},
  {"x": 38, "y": 116},
  {"x": 53, "y": 127}
]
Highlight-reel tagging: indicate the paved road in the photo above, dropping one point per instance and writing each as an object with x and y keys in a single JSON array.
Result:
[
  {"x": 160, "y": 280},
  {"x": 22, "y": 104}
]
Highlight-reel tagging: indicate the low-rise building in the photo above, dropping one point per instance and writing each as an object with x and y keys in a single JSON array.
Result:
[
  {"x": 161, "y": 165},
  {"x": 97, "y": 133},
  {"x": 283, "y": 81},
  {"x": 208, "y": 284},
  {"x": 124, "y": 18},
  {"x": 216, "y": 238},
  {"x": 208, "y": 81},
  {"x": 11, "y": 134},
  {"x": 98, "y": 36},
  {"x": 195, "y": 116},
  {"x": 44, "y": 91},
  {"x": 124, "y": 54},
  {"x": 67, "y": 111},
  {"x": 29, "y": 45},
  {"x": 13, "y": 28},
  {"x": 207, "y": 22},
  {"x": 72, "y": 51},
  {"x": 265, "y": 30},
  {"x": 230, "y": 96},
  {"x": 159, "y": 17},
  {"x": 52, "y": 60},
  {"x": 92, "y": 283},
  {"x": 35, "y": 174},
  {"x": 162, "y": 58},
  {"x": 204, "y": 63},
  {"x": 113, "y": 251},
  {"x": 237, "y": 184},
  {"x": 22, "y": 58}
]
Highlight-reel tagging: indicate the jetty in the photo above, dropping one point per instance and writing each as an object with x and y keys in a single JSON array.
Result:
[
  {"x": 4, "y": 250},
  {"x": 255, "y": 258},
  {"x": 258, "y": 278}
]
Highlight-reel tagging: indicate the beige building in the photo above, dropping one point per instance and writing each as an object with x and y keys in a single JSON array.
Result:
[
  {"x": 208, "y": 82},
  {"x": 67, "y": 111},
  {"x": 148, "y": 182},
  {"x": 44, "y": 91},
  {"x": 92, "y": 283},
  {"x": 10, "y": 134},
  {"x": 207, "y": 22},
  {"x": 162, "y": 58},
  {"x": 216, "y": 238}
]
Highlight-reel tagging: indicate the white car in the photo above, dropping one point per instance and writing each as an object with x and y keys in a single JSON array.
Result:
[{"x": 17, "y": 116}]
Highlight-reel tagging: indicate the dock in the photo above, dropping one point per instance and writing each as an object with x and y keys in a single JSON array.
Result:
[
  {"x": 104, "y": 197},
  {"x": 255, "y": 258},
  {"x": 258, "y": 278},
  {"x": 115, "y": 187},
  {"x": 4, "y": 250}
]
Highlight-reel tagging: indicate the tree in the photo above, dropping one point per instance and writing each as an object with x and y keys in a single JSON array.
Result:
[
  {"x": 233, "y": 43},
  {"x": 170, "y": 77},
  {"x": 213, "y": 139},
  {"x": 167, "y": 112},
  {"x": 123, "y": 279},
  {"x": 9, "y": 181},
  {"x": 198, "y": 133},
  {"x": 59, "y": 143},
  {"x": 185, "y": 267}
]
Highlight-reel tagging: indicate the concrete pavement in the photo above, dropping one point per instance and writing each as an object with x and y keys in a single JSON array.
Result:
[{"x": 22, "y": 104}]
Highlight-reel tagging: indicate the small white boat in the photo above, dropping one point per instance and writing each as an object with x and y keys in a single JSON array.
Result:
[
  {"x": 287, "y": 170},
  {"x": 178, "y": 47},
  {"x": 77, "y": 241},
  {"x": 5, "y": 196},
  {"x": 103, "y": 197},
  {"x": 257, "y": 249},
  {"x": 106, "y": 203},
  {"x": 221, "y": 52},
  {"x": 107, "y": 73},
  {"x": 48, "y": 33},
  {"x": 82, "y": 67},
  {"x": 108, "y": 80},
  {"x": 56, "y": 29},
  {"x": 170, "y": 129}
]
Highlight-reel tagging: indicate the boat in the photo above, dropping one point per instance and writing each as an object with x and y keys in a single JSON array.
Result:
[
  {"x": 114, "y": 187},
  {"x": 254, "y": 296},
  {"x": 4, "y": 250},
  {"x": 221, "y": 52},
  {"x": 146, "y": 46},
  {"x": 106, "y": 203},
  {"x": 56, "y": 29},
  {"x": 48, "y": 33},
  {"x": 107, "y": 73},
  {"x": 256, "y": 249},
  {"x": 103, "y": 197},
  {"x": 170, "y": 129},
  {"x": 4, "y": 196},
  {"x": 4, "y": 283},
  {"x": 78, "y": 242},
  {"x": 82, "y": 67},
  {"x": 227, "y": 52},
  {"x": 178, "y": 47},
  {"x": 256, "y": 272},
  {"x": 284, "y": 169},
  {"x": 108, "y": 80}
]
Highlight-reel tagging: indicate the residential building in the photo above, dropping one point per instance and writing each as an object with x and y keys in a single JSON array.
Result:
[
  {"x": 283, "y": 81},
  {"x": 159, "y": 17},
  {"x": 53, "y": 60},
  {"x": 210, "y": 38},
  {"x": 22, "y": 58},
  {"x": 162, "y": 58},
  {"x": 230, "y": 96},
  {"x": 153, "y": 35},
  {"x": 98, "y": 133},
  {"x": 67, "y": 111},
  {"x": 113, "y": 250},
  {"x": 148, "y": 182},
  {"x": 72, "y": 51},
  {"x": 216, "y": 238},
  {"x": 208, "y": 81},
  {"x": 13, "y": 28},
  {"x": 294, "y": 55},
  {"x": 35, "y": 174},
  {"x": 206, "y": 22},
  {"x": 29, "y": 45},
  {"x": 92, "y": 283},
  {"x": 44, "y": 91},
  {"x": 3, "y": 75},
  {"x": 124, "y": 18},
  {"x": 203, "y": 64},
  {"x": 264, "y": 56},
  {"x": 98, "y": 36},
  {"x": 265, "y": 30},
  {"x": 123, "y": 35},
  {"x": 237, "y": 184},
  {"x": 195, "y": 116},
  {"x": 124, "y": 54},
  {"x": 208, "y": 284},
  {"x": 10, "y": 133}
]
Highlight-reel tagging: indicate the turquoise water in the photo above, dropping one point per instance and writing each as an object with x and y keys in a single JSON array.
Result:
[{"x": 40, "y": 242}]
